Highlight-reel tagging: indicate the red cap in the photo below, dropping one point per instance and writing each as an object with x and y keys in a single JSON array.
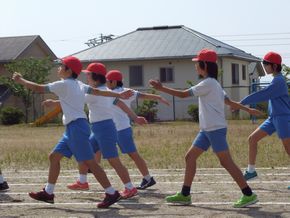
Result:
[
  {"x": 73, "y": 63},
  {"x": 206, "y": 55},
  {"x": 273, "y": 58},
  {"x": 96, "y": 68},
  {"x": 114, "y": 75}
]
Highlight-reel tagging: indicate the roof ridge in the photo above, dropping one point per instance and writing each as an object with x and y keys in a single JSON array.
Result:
[
  {"x": 34, "y": 38},
  {"x": 5, "y": 37},
  {"x": 202, "y": 36}
]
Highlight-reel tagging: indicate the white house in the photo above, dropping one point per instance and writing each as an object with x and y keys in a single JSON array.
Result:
[{"x": 165, "y": 53}]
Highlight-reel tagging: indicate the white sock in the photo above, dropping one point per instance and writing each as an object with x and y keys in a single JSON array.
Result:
[
  {"x": 83, "y": 178},
  {"x": 129, "y": 185},
  {"x": 147, "y": 177},
  {"x": 251, "y": 168},
  {"x": 110, "y": 190},
  {"x": 49, "y": 188},
  {"x": 1, "y": 179}
]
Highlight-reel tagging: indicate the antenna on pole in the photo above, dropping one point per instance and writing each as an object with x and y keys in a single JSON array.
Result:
[{"x": 99, "y": 40}]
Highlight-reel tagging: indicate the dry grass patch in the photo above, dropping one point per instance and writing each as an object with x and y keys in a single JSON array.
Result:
[{"x": 163, "y": 145}]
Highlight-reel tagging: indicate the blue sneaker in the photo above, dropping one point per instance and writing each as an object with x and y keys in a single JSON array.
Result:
[
  {"x": 146, "y": 184},
  {"x": 248, "y": 175},
  {"x": 289, "y": 187}
]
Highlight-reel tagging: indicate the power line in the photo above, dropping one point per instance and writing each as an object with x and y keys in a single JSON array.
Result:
[
  {"x": 262, "y": 45},
  {"x": 253, "y": 34},
  {"x": 260, "y": 39}
]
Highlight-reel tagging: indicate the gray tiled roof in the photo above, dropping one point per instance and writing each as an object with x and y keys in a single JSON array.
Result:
[
  {"x": 165, "y": 42},
  {"x": 12, "y": 47}
]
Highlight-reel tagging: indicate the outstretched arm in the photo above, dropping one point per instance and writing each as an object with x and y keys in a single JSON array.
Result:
[
  {"x": 124, "y": 95},
  {"x": 51, "y": 103},
  {"x": 17, "y": 77},
  {"x": 156, "y": 84},
  {"x": 236, "y": 106},
  {"x": 153, "y": 97},
  {"x": 137, "y": 119}
]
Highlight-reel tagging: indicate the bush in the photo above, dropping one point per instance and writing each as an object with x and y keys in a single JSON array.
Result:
[
  {"x": 148, "y": 110},
  {"x": 192, "y": 110},
  {"x": 11, "y": 115}
]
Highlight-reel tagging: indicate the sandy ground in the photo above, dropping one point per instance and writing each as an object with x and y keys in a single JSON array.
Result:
[{"x": 213, "y": 193}]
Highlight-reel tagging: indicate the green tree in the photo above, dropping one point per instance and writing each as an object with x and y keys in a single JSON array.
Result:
[
  {"x": 36, "y": 70},
  {"x": 148, "y": 109}
]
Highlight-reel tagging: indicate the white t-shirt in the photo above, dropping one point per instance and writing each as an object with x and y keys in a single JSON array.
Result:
[
  {"x": 120, "y": 118},
  {"x": 211, "y": 104},
  {"x": 100, "y": 107},
  {"x": 71, "y": 94}
]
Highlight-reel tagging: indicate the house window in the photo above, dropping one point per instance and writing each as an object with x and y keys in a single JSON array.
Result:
[
  {"x": 136, "y": 75},
  {"x": 166, "y": 74},
  {"x": 244, "y": 73},
  {"x": 235, "y": 74}
]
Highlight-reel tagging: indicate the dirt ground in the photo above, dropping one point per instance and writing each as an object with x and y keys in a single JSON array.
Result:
[{"x": 213, "y": 193}]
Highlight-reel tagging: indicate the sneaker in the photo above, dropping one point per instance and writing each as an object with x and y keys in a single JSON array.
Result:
[
  {"x": 79, "y": 186},
  {"x": 246, "y": 201},
  {"x": 179, "y": 198},
  {"x": 146, "y": 184},
  {"x": 4, "y": 186},
  {"x": 127, "y": 193},
  {"x": 248, "y": 175},
  {"x": 289, "y": 187},
  {"x": 109, "y": 200},
  {"x": 42, "y": 196}
]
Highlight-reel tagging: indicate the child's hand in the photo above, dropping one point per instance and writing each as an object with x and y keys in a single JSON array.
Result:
[
  {"x": 126, "y": 94},
  {"x": 17, "y": 77},
  {"x": 140, "y": 120},
  {"x": 156, "y": 84},
  {"x": 164, "y": 101},
  {"x": 48, "y": 103},
  {"x": 255, "y": 112}
]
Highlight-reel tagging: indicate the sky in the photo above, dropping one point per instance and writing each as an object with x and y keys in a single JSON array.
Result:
[{"x": 255, "y": 26}]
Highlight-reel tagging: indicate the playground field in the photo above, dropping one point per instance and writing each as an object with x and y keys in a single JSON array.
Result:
[{"x": 24, "y": 162}]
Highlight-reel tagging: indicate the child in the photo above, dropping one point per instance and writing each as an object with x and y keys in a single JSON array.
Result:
[
  {"x": 279, "y": 111},
  {"x": 3, "y": 184},
  {"x": 213, "y": 128},
  {"x": 75, "y": 140},
  {"x": 104, "y": 133},
  {"x": 122, "y": 122}
]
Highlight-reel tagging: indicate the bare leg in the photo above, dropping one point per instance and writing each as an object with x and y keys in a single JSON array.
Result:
[
  {"x": 253, "y": 139},
  {"x": 98, "y": 157},
  {"x": 54, "y": 167},
  {"x": 98, "y": 172},
  {"x": 120, "y": 169},
  {"x": 286, "y": 143},
  {"x": 190, "y": 168},
  {"x": 228, "y": 163},
  {"x": 140, "y": 163}
]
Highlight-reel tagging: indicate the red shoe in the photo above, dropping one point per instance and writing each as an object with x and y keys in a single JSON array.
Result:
[
  {"x": 79, "y": 186},
  {"x": 109, "y": 200},
  {"x": 42, "y": 196},
  {"x": 127, "y": 193}
]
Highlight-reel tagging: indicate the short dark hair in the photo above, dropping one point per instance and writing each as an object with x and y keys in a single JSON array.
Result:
[
  {"x": 73, "y": 75},
  {"x": 278, "y": 68},
  {"x": 212, "y": 68},
  {"x": 99, "y": 77},
  {"x": 119, "y": 83}
]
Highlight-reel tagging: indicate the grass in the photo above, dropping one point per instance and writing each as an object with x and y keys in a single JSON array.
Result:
[{"x": 163, "y": 145}]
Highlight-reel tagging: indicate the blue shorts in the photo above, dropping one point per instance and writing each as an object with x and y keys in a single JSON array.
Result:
[
  {"x": 75, "y": 141},
  {"x": 104, "y": 138},
  {"x": 279, "y": 124},
  {"x": 217, "y": 139},
  {"x": 126, "y": 141}
]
